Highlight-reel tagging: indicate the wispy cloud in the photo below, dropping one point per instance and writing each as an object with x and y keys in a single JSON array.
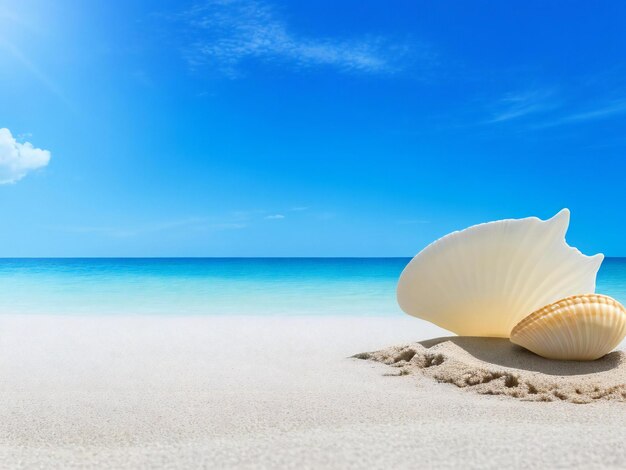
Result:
[
  {"x": 227, "y": 32},
  {"x": 607, "y": 110},
  {"x": 520, "y": 104},
  {"x": 18, "y": 159},
  {"x": 542, "y": 109},
  {"x": 275, "y": 217}
]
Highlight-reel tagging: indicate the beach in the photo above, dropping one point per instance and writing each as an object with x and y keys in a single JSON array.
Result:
[
  {"x": 265, "y": 392},
  {"x": 264, "y": 234}
]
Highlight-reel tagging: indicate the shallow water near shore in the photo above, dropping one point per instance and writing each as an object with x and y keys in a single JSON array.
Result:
[{"x": 219, "y": 286}]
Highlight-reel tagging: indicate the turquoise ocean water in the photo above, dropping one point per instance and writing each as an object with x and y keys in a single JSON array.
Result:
[{"x": 211, "y": 286}]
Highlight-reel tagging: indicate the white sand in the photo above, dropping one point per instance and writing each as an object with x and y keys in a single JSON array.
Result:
[{"x": 190, "y": 392}]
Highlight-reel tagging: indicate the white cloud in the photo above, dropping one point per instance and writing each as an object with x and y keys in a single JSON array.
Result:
[
  {"x": 550, "y": 112},
  {"x": 17, "y": 159},
  {"x": 275, "y": 217},
  {"x": 226, "y": 32},
  {"x": 606, "y": 111},
  {"x": 520, "y": 104}
]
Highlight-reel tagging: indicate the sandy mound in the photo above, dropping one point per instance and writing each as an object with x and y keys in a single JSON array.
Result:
[{"x": 494, "y": 366}]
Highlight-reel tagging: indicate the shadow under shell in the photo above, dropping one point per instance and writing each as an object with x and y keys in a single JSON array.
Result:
[{"x": 501, "y": 351}]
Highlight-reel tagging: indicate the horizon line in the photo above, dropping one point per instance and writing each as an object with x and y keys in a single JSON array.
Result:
[{"x": 2, "y": 258}]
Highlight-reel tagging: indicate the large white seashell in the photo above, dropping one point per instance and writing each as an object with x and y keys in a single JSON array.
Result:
[
  {"x": 483, "y": 280},
  {"x": 578, "y": 328}
]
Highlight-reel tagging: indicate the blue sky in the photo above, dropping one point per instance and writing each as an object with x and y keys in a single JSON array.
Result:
[{"x": 352, "y": 128}]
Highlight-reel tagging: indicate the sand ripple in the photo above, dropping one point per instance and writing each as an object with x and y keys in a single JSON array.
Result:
[{"x": 494, "y": 366}]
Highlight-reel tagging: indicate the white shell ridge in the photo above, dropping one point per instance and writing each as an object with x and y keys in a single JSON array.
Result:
[
  {"x": 483, "y": 280},
  {"x": 578, "y": 328}
]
